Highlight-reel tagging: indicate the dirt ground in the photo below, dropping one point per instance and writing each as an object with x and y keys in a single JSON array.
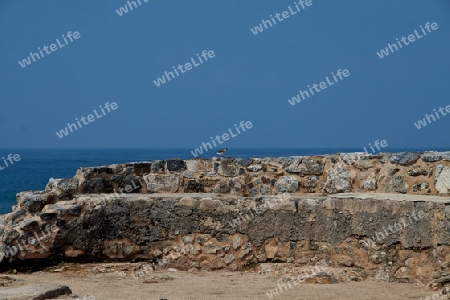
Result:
[{"x": 140, "y": 281}]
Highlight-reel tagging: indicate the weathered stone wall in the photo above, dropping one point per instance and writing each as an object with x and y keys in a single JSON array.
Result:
[
  {"x": 260, "y": 210},
  {"x": 411, "y": 173}
]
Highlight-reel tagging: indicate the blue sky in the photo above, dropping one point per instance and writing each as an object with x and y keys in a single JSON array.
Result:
[{"x": 250, "y": 78}]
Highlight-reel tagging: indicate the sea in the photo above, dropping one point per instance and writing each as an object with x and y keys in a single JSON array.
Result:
[{"x": 37, "y": 166}]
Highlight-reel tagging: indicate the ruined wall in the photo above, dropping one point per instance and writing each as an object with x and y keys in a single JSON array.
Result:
[
  {"x": 231, "y": 214},
  {"x": 412, "y": 173}
]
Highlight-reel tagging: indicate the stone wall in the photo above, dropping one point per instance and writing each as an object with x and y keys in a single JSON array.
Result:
[
  {"x": 234, "y": 213},
  {"x": 411, "y": 173}
]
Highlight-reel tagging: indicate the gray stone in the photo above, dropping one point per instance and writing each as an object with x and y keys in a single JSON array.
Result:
[
  {"x": 396, "y": 184},
  {"x": 68, "y": 186},
  {"x": 370, "y": 184},
  {"x": 176, "y": 165},
  {"x": 199, "y": 165},
  {"x": 338, "y": 180},
  {"x": 228, "y": 168},
  {"x": 130, "y": 184},
  {"x": 294, "y": 166},
  {"x": 405, "y": 158},
  {"x": 435, "y": 156},
  {"x": 193, "y": 186},
  {"x": 9, "y": 235},
  {"x": 188, "y": 239},
  {"x": 350, "y": 158},
  {"x": 311, "y": 167},
  {"x": 254, "y": 168},
  {"x": 245, "y": 162},
  {"x": 442, "y": 179},
  {"x": 417, "y": 172},
  {"x": 75, "y": 210},
  {"x": 222, "y": 188},
  {"x": 187, "y": 174},
  {"x": 158, "y": 165},
  {"x": 96, "y": 186},
  {"x": 236, "y": 242},
  {"x": 265, "y": 189},
  {"x": 287, "y": 184},
  {"x": 229, "y": 258},
  {"x": 393, "y": 171},
  {"x": 158, "y": 183},
  {"x": 34, "y": 292}
]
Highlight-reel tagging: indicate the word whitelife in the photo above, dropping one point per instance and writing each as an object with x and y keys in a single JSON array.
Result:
[
  {"x": 323, "y": 85},
  {"x": 411, "y": 38},
  {"x": 383, "y": 144},
  {"x": 300, "y": 278},
  {"x": 285, "y": 14},
  {"x": 90, "y": 118},
  {"x": 224, "y": 136},
  {"x": 187, "y": 66},
  {"x": 379, "y": 236},
  {"x": 423, "y": 123},
  {"x": 124, "y": 9},
  {"x": 10, "y": 158},
  {"x": 27, "y": 61}
]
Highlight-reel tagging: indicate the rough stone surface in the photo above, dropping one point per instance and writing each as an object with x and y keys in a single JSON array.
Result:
[
  {"x": 339, "y": 180},
  {"x": 405, "y": 158},
  {"x": 231, "y": 214},
  {"x": 396, "y": 184},
  {"x": 34, "y": 292},
  {"x": 288, "y": 184},
  {"x": 442, "y": 179}
]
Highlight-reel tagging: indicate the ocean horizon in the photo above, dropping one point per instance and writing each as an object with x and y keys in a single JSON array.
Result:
[{"x": 37, "y": 166}]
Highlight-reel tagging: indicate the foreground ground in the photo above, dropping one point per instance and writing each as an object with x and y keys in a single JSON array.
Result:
[{"x": 139, "y": 281}]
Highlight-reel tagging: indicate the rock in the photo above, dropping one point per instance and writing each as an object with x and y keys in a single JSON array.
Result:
[
  {"x": 228, "y": 168},
  {"x": 193, "y": 186},
  {"x": 211, "y": 248},
  {"x": 222, "y": 188},
  {"x": 396, "y": 184},
  {"x": 350, "y": 158},
  {"x": 188, "y": 174},
  {"x": 338, "y": 180},
  {"x": 229, "y": 258},
  {"x": 158, "y": 165},
  {"x": 236, "y": 242},
  {"x": 199, "y": 165},
  {"x": 202, "y": 238},
  {"x": 142, "y": 168},
  {"x": 288, "y": 184},
  {"x": 34, "y": 292},
  {"x": 96, "y": 186},
  {"x": 188, "y": 239},
  {"x": 393, "y": 171},
  {"x": 265, "y": 189},
  {"x": 245, "y": 162},
  {"x": 294, "y": 166},
  {"x": 370, "y": 184},
  {"x": 157, "y": 183},
  {"x": 417, "y": 172},
  {"x": 311, "y": 167},
  {"x": 403, "y": 273},
  {"x": 67, "y": 187},
  {"x": 176, "y": 165},
  {"x": 405, "y": 158},
  {"x": 130, "y": 184},
  {"x": 435, "y": 156},
  {"x": 75, "y": 210},
  {"x": 442, "y": 179},
  {"x": 254, "y": 168}
]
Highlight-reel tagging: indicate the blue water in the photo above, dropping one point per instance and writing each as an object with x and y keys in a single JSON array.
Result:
[{"x": 37, "y": 166}]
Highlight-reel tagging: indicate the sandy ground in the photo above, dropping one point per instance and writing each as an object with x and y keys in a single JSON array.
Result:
[{"x": 116, "y": 281}]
